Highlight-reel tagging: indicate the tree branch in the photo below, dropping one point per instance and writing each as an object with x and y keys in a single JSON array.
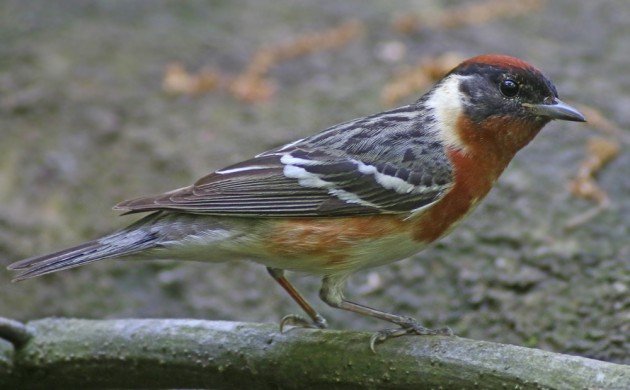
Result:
[{"x": 193, "y": 353}]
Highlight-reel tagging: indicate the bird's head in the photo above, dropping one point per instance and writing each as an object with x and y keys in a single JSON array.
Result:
[{"x": 496, "y": 101}]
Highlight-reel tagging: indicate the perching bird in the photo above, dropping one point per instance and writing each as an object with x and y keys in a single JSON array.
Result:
[{"x": 357, "y": 195}]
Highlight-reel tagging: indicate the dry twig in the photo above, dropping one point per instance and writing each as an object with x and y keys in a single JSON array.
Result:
[
  {"x": 178, "y": 81},
  {"x": 599, "y": 152},
  {"x": 253, "y": 84},
  {"x": 466, "y": 15},
  {"x": 596, "y": 119}
]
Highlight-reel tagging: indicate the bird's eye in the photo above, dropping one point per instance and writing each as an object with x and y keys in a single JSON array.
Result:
[{"x": 509, "y": 88}]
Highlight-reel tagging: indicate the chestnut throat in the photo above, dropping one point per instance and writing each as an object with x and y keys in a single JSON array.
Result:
[
  {"x": 489, "y": 148},
  {"x": 494, "y": 142}
]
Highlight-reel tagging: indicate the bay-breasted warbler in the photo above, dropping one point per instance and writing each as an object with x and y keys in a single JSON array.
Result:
[{"x": 359, "y": 194}]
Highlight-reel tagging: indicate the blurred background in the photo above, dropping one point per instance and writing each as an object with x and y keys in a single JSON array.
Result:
[{"x": 101, "y": 101}]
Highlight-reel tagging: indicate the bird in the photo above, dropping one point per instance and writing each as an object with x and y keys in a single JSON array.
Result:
[{"x": 357, "y": 195}]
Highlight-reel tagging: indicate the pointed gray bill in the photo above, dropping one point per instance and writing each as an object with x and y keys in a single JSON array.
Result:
[{"x": 556, "y": 110}]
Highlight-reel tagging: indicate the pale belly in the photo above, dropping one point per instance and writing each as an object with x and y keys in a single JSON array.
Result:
[
  {"x": 360, "y": 255},
  {"x": 316, "y": 246}
]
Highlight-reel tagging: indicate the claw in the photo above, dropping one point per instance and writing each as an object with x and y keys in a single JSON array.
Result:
[
  {"x": 298, "y": 321},
  {"x": 385, "y": 334},
  {"x": 320, "y": 322},
  {"x": 410, "y": 327}
]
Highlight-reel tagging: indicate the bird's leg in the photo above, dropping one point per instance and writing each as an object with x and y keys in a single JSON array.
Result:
[
  {"x": 331, "y": 293},
  {"x": 293, "y": 319}
]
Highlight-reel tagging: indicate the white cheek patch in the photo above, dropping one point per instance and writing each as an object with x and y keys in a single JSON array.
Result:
[{"x": 446, "y": 103}]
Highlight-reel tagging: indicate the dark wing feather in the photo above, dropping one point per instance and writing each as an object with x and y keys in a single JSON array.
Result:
[
  {"x": 301, "y": 184},
  {"x": 253, "y": 187},
  {"x": 386, "y": 163}
]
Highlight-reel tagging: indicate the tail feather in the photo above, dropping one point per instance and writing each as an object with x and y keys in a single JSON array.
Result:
[
  {"x": 26, "y": 263},
  {"x": 118, "y": 244}
]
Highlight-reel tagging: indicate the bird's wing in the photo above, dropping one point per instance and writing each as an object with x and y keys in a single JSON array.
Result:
[
  {"x": 385, "y": 163},
  {"x": 299, "y": 183}
]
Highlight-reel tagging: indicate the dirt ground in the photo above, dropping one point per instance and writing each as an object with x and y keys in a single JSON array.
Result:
[{"x": 86, "y": 123}]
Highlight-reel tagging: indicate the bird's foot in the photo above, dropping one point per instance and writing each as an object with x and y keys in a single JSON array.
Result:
[
  {"x": 298, "y": 321},
  {"x": 411, "y": 327}
]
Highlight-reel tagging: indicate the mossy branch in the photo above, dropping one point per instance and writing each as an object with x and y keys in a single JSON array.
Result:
[{"x": 147, "y": 353}]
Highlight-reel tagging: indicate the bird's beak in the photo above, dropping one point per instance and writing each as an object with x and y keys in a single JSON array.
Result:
[{"x": 556, "y": 110}]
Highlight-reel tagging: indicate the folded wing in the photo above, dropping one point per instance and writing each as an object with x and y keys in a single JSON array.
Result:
[{"x": 296, "y": 183}]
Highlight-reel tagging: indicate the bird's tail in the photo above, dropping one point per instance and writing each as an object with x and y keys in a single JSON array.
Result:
[{"x": 124, "y": 242}]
